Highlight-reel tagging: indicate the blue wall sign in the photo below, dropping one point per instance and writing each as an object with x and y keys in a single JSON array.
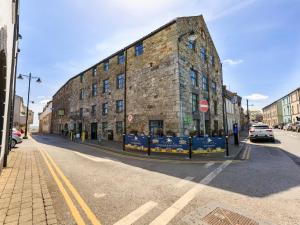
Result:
[
  {"x": 208, "y": 144},
  {"x": 134, "y": 142},
  {"x": 170, "y": 144}
]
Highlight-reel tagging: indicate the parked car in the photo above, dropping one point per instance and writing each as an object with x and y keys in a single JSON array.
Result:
[
  {"x": 296, "y": 126},
  {"x": 261, "y": 132},
  {"x": 275, "y": 126},
  {"x": 15, "y": 139},
  {"x": 288, "y": 126},
  {"x": 280, "y": 126},
  {"x": 16, "y": 132}
]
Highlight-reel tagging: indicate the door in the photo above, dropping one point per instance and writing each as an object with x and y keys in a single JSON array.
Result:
[
  {"x": 110, "y": 135},
  {"x": 93, "y": 131},
  {"x": 80, "y": 128}
]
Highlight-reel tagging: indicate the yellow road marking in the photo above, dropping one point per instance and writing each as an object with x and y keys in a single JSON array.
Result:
[
  {"x": 68, "y": 199},
  {"x": 248, "y": 153},
  {"x": 75, "y": 193}
]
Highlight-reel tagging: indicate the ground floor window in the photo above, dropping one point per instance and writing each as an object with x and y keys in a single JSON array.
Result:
[
  {"x": 119, "y": 127},
  {"x": 156, "y": 127}
]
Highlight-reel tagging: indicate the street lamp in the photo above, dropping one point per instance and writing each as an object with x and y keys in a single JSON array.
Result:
[{"x": 38, "y": 80}]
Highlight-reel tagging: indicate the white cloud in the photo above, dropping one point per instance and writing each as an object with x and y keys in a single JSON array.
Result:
[
  {"x": 232, "y": 62},
  {"x": 256, "y": 97},
  {"x": 41, "y": 97},
  {"x": 44, "y": 101}
]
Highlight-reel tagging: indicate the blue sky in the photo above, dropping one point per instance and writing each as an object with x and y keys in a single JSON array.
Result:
[{"x": 258, "y": 41}]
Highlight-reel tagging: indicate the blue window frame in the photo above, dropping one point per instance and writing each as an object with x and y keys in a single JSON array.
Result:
[
  {"x": 119, "y": 106},
  {"x": 106, "y": 66},
  {"x": 212, "y": 60},
  {"x": 94, "y": 71},
  {"x": 192, "y": 45},
  {"x": 204, "y": 83},
  {"x": 214, "y": 87},
  {"x": 139, "y": 49},
  {"x": 194, "y": 78},
  {"x": 120, "y": 81},
  {"x": 203, "y": 53},
  {"x": 195, "y": 101},
  {"x": 121, "y": 58},
  {"x": 105, "y": 86}
]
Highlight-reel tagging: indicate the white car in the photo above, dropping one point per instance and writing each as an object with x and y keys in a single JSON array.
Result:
[{"x": 261, "y": 132}]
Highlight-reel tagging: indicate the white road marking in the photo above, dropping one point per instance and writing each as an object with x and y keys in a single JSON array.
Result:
[
  {"x": 93, "y": 158},
  {"x": 136, "y": 214},
  {"x": 209, "y": 164},
  {"x": 99, "y": 195},
  {"x": 183, "y": 182},
  {"x": 166, "y": 216}
]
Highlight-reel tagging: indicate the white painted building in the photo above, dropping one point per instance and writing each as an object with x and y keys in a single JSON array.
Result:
[
  {"x": 233, "y": 110},
  {"x": 45, "y": 119},
  {"x": 9, "y": 33}
]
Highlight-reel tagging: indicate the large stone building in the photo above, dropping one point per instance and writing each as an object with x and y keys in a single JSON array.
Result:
[
  {"x": 45, "y": 119},
  {"x": 20, "y": 110},
  {"x": 152, "y": 86},
  {"x": 9, "y": 33},
  {"x": 284, "y": 110}
]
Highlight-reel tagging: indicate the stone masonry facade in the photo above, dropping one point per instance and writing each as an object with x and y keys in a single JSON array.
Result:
[{"x": 152, "y": 86}]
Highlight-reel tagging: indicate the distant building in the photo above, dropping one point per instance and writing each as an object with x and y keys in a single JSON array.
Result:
[
  {"x": 152, "y": 86},
  {"x": 284, "y": 110},
  {"x": 256, "y": 116},
  {"x": 233, "y": 110},
  {"x": 9, "y": 34},
  {"x": 20, "y": 110},
  {"x": 45, "y": 119}
]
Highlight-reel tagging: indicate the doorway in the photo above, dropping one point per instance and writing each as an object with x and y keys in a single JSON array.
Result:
[
  {"x": 110, "y": 135},
  {"x": 94, "y": 131}
]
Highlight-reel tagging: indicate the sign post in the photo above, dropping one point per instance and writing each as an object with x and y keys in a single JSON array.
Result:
[{"x": 203, "y": 106}]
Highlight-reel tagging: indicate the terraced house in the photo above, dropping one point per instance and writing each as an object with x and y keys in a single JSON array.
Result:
[{"x": 152, "y": 86}]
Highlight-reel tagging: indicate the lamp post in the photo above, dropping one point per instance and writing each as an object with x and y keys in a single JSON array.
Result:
[{"x": 38, "y": 80}]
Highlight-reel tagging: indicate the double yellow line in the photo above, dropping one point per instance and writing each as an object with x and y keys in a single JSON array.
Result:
[{"x": 54, "y": 170}]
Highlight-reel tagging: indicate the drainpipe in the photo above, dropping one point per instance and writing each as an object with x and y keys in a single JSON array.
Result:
[{"x": 125, "y": 87}]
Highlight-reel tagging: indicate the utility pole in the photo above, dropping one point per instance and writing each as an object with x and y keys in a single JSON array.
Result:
[{"x": 248, "y": 116}]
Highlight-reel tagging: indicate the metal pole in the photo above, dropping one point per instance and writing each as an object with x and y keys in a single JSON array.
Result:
[
  {"x": 190, "y": 147},
  {"x": 149, "y": 147},
  {"x": 26, "y": 124},
  {"x": 248, "y": 116},
  {"x": 203, "y": 113},
  {"x": 227, "y": 148}
]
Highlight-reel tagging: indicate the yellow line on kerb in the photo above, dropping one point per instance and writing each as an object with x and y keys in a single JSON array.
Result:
[
  {"x": 75, "y": 193},
  {"x": 68, "y": 199}
]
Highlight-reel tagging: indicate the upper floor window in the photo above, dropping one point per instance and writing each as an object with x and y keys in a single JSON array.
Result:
[
  {"x": 204, "y": 83},
  {"x": 104, "y": 108},
  {"x": 81, "y": 94},
  {"x": 121, "y": 58},
  {"x": 195, "y": 100},
  {"x": 203, "y": 53},
  {"x": 106, "y": 65},
  {"x": 120, "y": 81},
  {"x": 81, "y": 112},
  {"x": 94, "y": 89},
  {"x": 93, "y": 111},
  {"x": 94, "y": 71},
  {"x": 139, "y": 49},
  {"x": 105, "y": 86},
  {"x": 212, "y": 60},
  {"x": 194, "y": 78},
  {"x": 81, "y": 78},
  {"x": 214, "y": 87},
  {"x": 192, "y": 45},
  {"x": 119, "y": 106}
]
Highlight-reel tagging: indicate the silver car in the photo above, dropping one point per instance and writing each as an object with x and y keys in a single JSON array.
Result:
[
  {"x": 261, "y": 132},
  {"x": 15, "y": 139}
]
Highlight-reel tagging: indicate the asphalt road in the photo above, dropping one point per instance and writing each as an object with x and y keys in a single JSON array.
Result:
[{"x": 263, "y": 186}]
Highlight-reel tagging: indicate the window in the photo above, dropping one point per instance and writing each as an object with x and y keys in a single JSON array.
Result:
[
  {"x": 119, "y": 106},
  {"x": 94, "y": 71},
  {"x": 194, "y": 78},
  {"x": 139, "y": 49},
  {"x": 214, "y": 87},
  {"x": 212, "y": 60},
  {"x": 93, "y": 111},
  {"x": 204, "y": 83},
  {"x": 216, "y": 107},
  {"x": 121, "y": 58},
  {"x": 105, "y": 86},
  {"x": 195, "y": 100},
  {"x": 203, "y": 53},
  {"x": 81, "y": 94},
  {"x": 192, "y": 45},
  {"x": 94, "y": 89},
  {"x": 104, "y": 127},
  {"x": 81, "y": 78},
  {"x": 119, "y": 127},
  {"x": 104, "y": 108},
  {"x": 120, "y": 81},
  {"x": 106, "y": 66},
  {"x": 81, "y": 112},
  {"x": 156, "y": 127}
]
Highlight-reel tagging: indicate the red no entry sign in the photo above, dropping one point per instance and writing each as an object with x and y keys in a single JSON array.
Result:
[{"x": 203, "y": 106}]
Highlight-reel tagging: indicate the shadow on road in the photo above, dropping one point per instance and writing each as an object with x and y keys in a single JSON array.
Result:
[{"x": 269, "y": 170}]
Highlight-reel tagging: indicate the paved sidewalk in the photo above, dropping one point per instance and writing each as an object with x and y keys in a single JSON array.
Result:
[{"x": 24, "y": 196}]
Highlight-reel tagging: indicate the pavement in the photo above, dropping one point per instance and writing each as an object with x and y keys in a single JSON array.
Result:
[
  {"x": 90, "y": 186},
  {"x": 24, "y": 195}
]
